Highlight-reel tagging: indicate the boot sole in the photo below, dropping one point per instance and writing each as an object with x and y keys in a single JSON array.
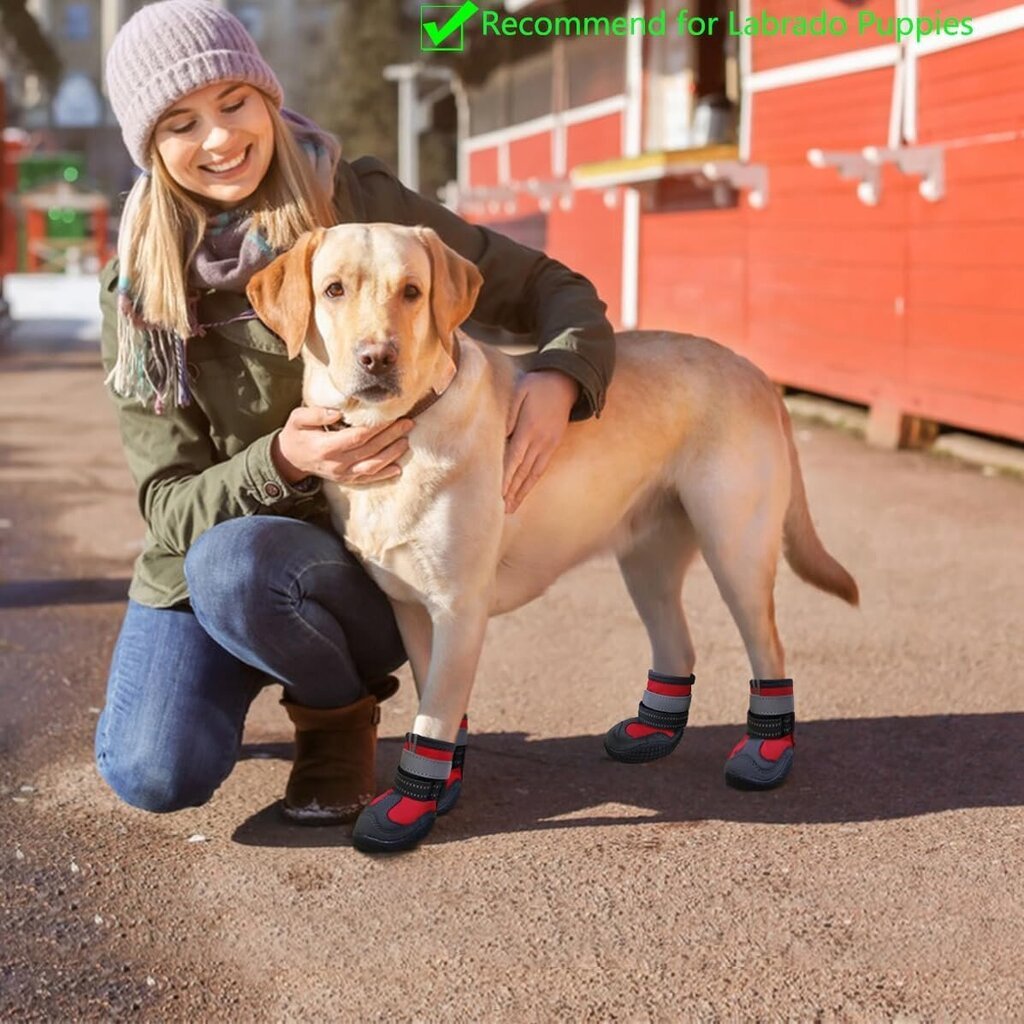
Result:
[
  {"x": 415, "y": 834},
  {"x": 641, "y": 751},
  {"x": 749, "y": 786},
  {"x": 749, "y": 783}
]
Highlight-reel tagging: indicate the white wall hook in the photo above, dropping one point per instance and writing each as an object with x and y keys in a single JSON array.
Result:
[
  {"x": 852, "y": 166},
  {"x": 927, "y": 162},
  {"x": 750, "y": 177}
]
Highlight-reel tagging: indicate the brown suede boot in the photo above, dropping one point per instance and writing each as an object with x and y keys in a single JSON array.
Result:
[{"x": 332, "y": 777}]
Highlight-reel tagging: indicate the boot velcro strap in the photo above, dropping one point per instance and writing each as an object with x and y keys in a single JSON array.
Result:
[
  {"x": 416, "y": 786},
  {"x": 662, "y": 719},
  {"x": 770, "y": 727}
]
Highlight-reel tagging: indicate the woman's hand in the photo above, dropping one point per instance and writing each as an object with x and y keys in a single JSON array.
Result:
[
  {"x": 536, "y": 423},
  {"x": 351, "y": 455}
]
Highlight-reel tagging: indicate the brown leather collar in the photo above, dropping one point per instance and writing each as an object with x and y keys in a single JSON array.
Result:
[
  {"x": 425, "y": 402},
  {"x": 432, "y": 396}
]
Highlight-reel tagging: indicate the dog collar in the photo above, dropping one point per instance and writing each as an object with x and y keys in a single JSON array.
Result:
[
  {"x": 425, "y": 402},
  {"x": 433, "y": 394}
]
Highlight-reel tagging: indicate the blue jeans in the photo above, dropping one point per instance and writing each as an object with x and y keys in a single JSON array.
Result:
[{"x": 270, "y": 597}]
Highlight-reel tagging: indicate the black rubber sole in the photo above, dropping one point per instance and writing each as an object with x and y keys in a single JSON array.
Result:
[
  {"x": 749, "y": 783},
  {"x": 368, "y": 842},
  {"x": 642, "y": 751},
  {"x": 749, "y": 786}
]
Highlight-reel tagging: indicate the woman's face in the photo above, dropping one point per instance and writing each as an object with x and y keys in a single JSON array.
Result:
[{"x": 217, "y": 142}]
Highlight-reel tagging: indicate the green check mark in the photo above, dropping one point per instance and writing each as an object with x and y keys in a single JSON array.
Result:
[{"x": 438, "y": 33}]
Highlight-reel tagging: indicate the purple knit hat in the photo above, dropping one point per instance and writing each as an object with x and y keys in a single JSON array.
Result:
[{"x": 169, "y": 49}]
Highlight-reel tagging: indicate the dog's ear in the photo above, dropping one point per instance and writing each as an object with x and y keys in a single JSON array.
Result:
[
  {"x": 282, "y": 292},
  {"x": 454, "y": 284}
]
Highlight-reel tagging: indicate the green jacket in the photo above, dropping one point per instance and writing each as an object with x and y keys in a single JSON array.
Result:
[{"x": 210, "y": 461}]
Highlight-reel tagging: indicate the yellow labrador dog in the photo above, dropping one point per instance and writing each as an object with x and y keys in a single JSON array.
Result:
[{"x": 693, "y": 451}]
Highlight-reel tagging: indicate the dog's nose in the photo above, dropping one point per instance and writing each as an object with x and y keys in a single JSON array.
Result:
[{"x": 377, "y": 357}]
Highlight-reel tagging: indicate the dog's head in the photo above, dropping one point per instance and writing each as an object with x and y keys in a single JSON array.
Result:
[{"x": 372, "y": 308}]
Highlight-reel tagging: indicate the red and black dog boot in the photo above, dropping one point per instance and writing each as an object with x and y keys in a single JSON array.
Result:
[
  {"x": 764, "y": 757},
  {"x": 402, "y": 816},
  {"x": 659, "y": 723},
  {"x": 453, "y": 787}
]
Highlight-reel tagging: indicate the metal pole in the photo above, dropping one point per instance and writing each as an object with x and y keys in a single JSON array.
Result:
[
  {"x": 408, "y": 139},
  {"x": 111, "y": 16},
  {"x": 409, "y": 106}
]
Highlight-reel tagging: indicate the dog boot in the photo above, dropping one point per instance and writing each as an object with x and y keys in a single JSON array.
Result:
[
  {"x": 403, "y": 815},
  {"x": 659, "y": 724},
  {"x": 332, "y": 777},
  {"x": 453, "y": 787},
  {"x": 764, "y": 757}
]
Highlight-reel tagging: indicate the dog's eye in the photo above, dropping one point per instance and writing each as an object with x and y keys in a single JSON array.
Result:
[
  {"x": 411, "y": 292},
  {"x": 334, "y": 290}
]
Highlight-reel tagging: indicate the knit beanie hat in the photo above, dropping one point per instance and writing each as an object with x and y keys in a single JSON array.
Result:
[{"x": 169, "y": 49}]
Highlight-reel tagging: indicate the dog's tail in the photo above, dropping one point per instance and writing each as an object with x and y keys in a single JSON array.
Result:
[{"x": 802, "y": 546}]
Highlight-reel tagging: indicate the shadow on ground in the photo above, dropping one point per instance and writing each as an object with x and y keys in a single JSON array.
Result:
[
  {"x": 35, "y": 343},
  {"x": 42, "y": 593},
  {"x": 864, "y": 769}
]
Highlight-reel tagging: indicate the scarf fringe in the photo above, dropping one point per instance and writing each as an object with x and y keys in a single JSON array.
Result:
[{"x": 151, "y": 364}]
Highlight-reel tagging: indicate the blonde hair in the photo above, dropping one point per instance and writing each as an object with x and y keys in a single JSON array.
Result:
[{"x": 167, "y": 220}]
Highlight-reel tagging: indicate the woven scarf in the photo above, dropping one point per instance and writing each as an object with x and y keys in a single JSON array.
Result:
[{"x": 151, "y": 361}]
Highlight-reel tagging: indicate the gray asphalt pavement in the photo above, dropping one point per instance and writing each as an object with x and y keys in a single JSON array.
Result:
[{"x": 883, "y": 882}]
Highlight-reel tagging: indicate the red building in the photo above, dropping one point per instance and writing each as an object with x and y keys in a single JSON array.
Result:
[{"x": 847, "y": 210}]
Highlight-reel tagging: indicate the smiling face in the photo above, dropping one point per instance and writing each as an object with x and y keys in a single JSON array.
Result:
[{"x": 217, "y": 142}]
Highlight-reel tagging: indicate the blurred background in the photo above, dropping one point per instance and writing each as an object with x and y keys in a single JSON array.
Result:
[{"x": 846, "y": 210}]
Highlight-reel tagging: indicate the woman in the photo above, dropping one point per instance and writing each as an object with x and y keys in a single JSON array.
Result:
[{"x": 241, "y": 582}]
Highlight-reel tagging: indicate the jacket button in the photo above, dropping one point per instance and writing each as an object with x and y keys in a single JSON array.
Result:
[{"x": 272, "y": 490}]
